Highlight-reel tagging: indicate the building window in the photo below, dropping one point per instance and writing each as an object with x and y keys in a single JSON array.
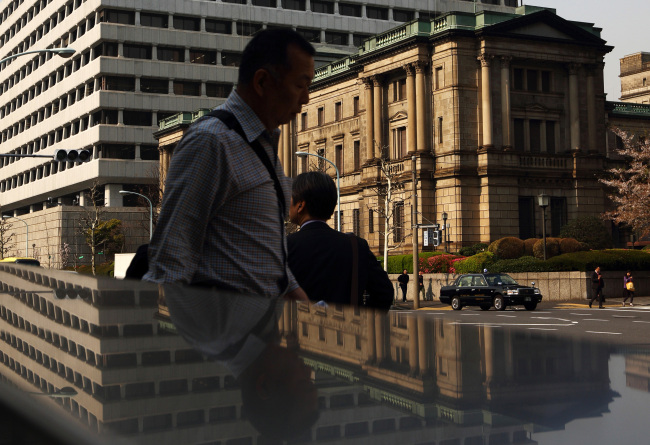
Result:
[
  {"x": 187, "y": 23},
  {"x": 339, "y": 338},
  {"x": 230, "y": 59},
  {"x": 558, "y": 215},
  {"x": 550, "y": 137},
  {"x": 248, "y": 28},
  {"x": 295, "y": 5},
  {"x": 357, "y": 154},
  {"x": 218, "y": 26},
  {"x": 338, "y": 153},
  {"x": 338, "y": 107},
  {"x": 311, "y": 35},
  {"x": 137, "y": 51},
  {"x": 355, "y": 106},
  {"x": 399, "y": 90},
  {"x": 350, "y": 10},
  {"x": 336, "y": 38},
  {"x": 213, "y": 89},
  {"x": 371, "y": 221},
  {"x": 265, "y": 3},
  {"x": 356, "y": 223},
  {"x": 518, "y": 79},
  {"x": 117, "y": 16},
  {"x": 321, "y": 333},
  {"x": 440, "y": 140},
  {"x": 108, "y": 49},
  {"x": 399, "y": 143},
  {"x": 358, "y": 39},
  {"x": 203, "y": 57},
  {"x": 520, "y": 137},
  {"x": 323, "y": 7},
  {"x": 439, "y": 81},
  {"x": 154, "y": 86},
  {"x": 116, "y": 83},
  {"x": 526, "y": 217},
  {"x": 137, "y": 118},
  {"x": 187, "y": 88},
  {"x": 171, "y": 54},
  {"x": 154, "y": 20},
  {"x": 535, "y": 127},
  {"x": 374, "y": 12},
  {"x": 402, "y": 15},
  {"x": 398, "y": 222},
  {"x": 321, "y": 116},
  {"x": 303, "y": 121}
]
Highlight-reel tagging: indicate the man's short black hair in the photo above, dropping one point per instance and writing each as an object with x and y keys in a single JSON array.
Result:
[
  {"x": 269, "y": 49},
  {"x": 318, "y": 191}
]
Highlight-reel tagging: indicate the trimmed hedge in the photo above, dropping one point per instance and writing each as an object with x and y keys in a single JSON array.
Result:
[
  {"x": 103, "y": 269},
  {"x": 475, "y": 263},
  {"x": 570, "y": 245},
  {"x": 528, "y": 246},
  {"x": 552, "y": 248},
  {"x": 507, "y": 248},
  {"x": 589, "y": 230},
  {"x": 473, "y": 250},
  {"x": 585, "y": 261},
  {"x": 397, "y": 263}
]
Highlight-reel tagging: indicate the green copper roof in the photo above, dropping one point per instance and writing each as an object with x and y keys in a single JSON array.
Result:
[
  {"x": 630, "y": 109},
  {"x": 184, "y": 118}
]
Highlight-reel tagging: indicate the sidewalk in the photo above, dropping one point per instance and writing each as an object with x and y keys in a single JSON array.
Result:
[{"x": 641, "y": 302}]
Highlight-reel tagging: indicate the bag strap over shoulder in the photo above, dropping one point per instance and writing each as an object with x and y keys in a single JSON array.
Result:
[{"x": 231, "y": 122}]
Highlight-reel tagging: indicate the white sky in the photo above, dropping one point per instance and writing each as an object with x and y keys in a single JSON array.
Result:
[{"x": 624, "y": 26}]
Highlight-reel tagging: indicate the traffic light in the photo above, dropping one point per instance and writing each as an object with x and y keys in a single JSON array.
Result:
[
  {"x": 436, "y": 237},
  {"x": 72, "y": 155}
]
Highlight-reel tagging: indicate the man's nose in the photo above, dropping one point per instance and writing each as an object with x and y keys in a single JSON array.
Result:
[{"x": 304, "y": 99}]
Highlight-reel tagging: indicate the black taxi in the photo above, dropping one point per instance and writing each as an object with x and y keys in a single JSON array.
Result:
[{"x": 489, "y": 289}]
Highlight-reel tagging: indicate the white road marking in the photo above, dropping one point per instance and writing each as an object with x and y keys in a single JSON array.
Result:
[
  {"x": 555, "y": 318},
  {"x": 602, "y": 332},
  {"x": 640, "y": 321},
  {"x": 508, "y": 316},
  {"x": 624, "y": 316},
  {"x": 516, "y": 324},
  {"x": 579, "y": 314},
  {"x": 594, "y": 319},
  {"x": 541, "y": 329},
  {"x": 470, "y": 314}
]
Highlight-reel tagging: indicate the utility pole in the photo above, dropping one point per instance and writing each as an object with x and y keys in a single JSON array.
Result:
[{"x": 414, "y": 225}]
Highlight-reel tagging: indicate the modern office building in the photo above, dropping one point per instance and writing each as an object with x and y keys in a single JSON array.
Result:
[{"x": 137, "y": 62}]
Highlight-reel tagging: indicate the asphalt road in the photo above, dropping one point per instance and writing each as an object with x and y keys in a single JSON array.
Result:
[{"x": 613, "y": 324}]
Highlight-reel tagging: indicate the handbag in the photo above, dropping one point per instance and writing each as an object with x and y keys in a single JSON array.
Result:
[{"x": 629, "y": 286}]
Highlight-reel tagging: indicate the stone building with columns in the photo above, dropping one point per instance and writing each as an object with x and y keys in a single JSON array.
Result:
[
  {"x": 138, "y": 62},
  {"x": 496, "y": 108},
  {"x": 635, "y": 78}
]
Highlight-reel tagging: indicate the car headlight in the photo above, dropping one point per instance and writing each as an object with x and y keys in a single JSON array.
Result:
[
  {"x": 513, "y": 292},
  {"x": 537, "y": 291}
]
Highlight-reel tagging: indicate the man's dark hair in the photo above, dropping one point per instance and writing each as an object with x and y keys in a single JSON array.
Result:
[
  {"x": 269, "y": 49},
  {"x": 318, "y": 191}
]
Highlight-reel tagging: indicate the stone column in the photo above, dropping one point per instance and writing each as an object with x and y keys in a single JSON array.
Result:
[
  {"x": 486, "y": 99},
  {"x": 112, "y": 196},
  {"x": 505, "y": 102},
  {"x": 574, "y": 104},
  {"x": 421, "y": 101},
  {"x": 411, "y": 101},
  {"x": 370, "y": 329},
  {"x": 379, "y": 336},
  {"x": 286, "y": 154},
  {"x": 591, "y": 108},
  {"x": 370, "y": 128},
  {"x": 376, "y": 92}
]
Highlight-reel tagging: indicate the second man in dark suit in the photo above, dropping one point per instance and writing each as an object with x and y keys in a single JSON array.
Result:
[{"x": 321, "y": 258}]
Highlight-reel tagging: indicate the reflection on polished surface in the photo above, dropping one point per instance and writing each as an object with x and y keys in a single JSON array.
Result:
[{"x": 184, "y": 366}]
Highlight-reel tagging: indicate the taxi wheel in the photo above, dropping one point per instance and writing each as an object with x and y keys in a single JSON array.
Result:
[
  {"x": 499, "y": 303},
  {"x": 486, "y": 307},
  {"x": 455, "y": 304}
]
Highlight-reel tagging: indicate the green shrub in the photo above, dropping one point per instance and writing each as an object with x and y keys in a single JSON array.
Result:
[
  {"x": 475, "y": 263},
  {"x": 528, "y": 246},
  {"x": 507, "y": 248},
  {"x": 570, "y": 245},
  {"x": 646, "y": 247},
  {"x": 103, "y": 269},
  {"x": 523, "y": 264},
  {"x": 395, "y": 264},
  {"x": 438, "y": 264},
  {"x": 589, "y": 230},
  {"x": 552, "y": 248},
  {"x": 473, "y": 250}
]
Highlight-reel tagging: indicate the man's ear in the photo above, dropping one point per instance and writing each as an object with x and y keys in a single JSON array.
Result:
[
  {"x": 260, "y": 80},
  {"x": 302, "y": 207}
]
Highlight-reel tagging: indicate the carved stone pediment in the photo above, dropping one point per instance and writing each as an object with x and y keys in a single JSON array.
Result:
[{"x": 398, "y": 116}]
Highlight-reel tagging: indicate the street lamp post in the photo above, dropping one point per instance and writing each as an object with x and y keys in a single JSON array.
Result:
[
  {"x": 150, "y": 210},
  {"x": 63, "y": 52},
  {"x": 26, "y": 232},
  {"x": 543, "y": 201},
  {"x": 338, "y": 187}
]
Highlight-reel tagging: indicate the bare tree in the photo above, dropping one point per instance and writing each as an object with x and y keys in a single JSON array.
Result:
[
  {"x": 631, "y": 184},
  {"x": 7, "y": 237},
  {"x": 97, "y": 232},
  {"x": 390, "y": 204}
]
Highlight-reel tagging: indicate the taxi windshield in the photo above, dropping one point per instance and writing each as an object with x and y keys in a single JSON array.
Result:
[{"x": 500, "y": 278}]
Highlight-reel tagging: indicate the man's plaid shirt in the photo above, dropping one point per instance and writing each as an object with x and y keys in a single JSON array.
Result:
[{"x": 220, "y": 219}]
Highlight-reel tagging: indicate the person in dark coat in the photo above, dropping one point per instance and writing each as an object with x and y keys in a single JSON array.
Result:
[
  {"x": 403, "y": 280},
  {"x": 321, "y": 258},
  {"x": 597, "y": 285}
]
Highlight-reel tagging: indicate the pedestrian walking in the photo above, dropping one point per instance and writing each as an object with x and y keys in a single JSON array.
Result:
[
  {"x": 597, "y": 284},
  {"x": 628, "y": 284},
  {"x": 423, "y": 294},
  {"x": 403, "y": 280}
]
